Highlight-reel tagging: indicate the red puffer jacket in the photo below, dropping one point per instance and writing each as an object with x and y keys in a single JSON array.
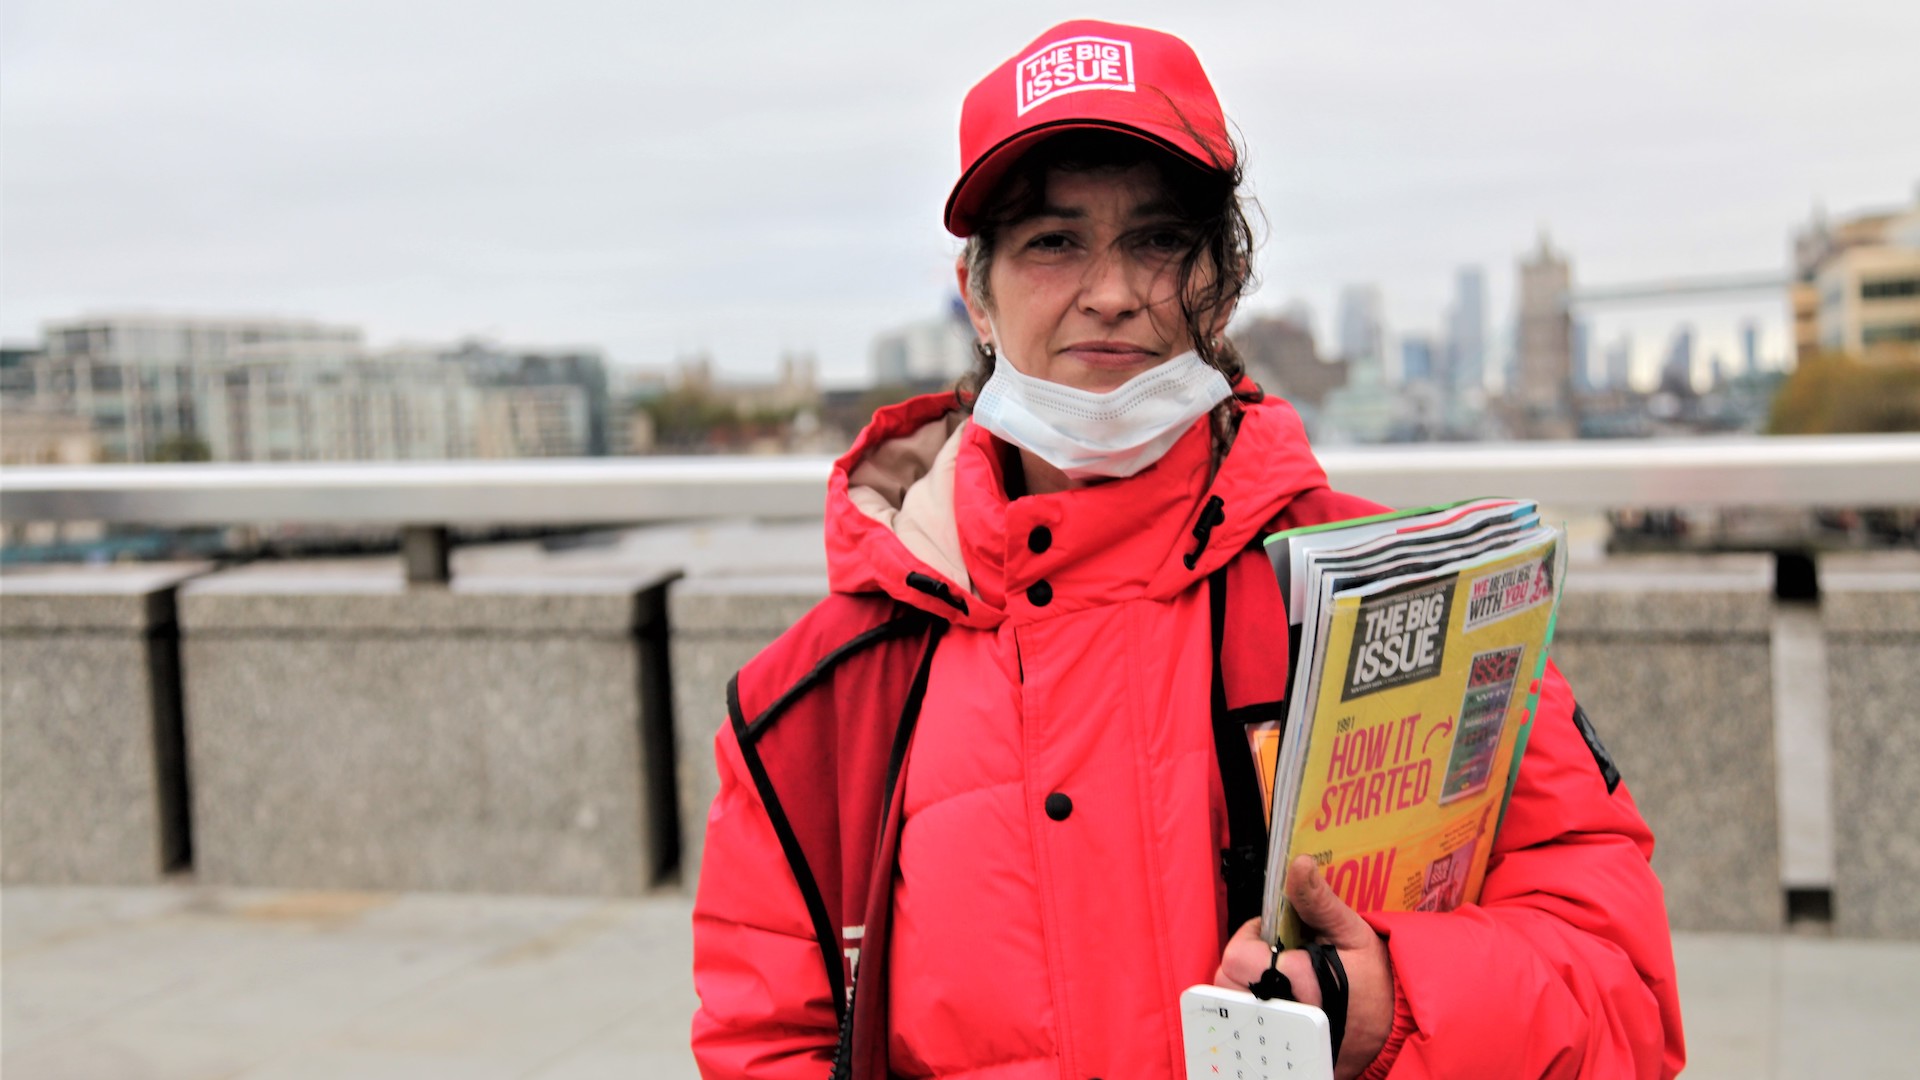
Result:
[{"x": 970, "y": 813}]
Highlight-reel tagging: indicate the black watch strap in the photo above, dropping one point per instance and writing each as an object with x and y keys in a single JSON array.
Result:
[{"x": 1332, "y": 974}]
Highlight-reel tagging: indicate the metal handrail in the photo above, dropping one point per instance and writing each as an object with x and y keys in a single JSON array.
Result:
[{"x": 1791, "y": 472}]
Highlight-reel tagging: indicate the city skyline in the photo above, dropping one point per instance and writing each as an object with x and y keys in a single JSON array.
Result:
[{"x": 657, "y": 185}]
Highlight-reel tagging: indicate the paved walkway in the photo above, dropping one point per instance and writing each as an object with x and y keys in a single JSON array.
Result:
[{"x": 188, "y": 983}]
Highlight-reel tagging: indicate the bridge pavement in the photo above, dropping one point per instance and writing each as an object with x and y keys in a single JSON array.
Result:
[{"x": 181, "y": 982}]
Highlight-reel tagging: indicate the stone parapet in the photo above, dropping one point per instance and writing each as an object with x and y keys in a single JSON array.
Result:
[
  {"x": 1671, "y": 659},
  {"x": 92, "y": 782},
  {"x": 1870, "y": 611},
  {"x": 554, "y": 732},
  {"x": 501, "y": 735},
  {"x": 718, "y": 625}
]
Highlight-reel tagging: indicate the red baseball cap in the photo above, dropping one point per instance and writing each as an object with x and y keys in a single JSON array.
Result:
[{"x": 1085, "y": 74}]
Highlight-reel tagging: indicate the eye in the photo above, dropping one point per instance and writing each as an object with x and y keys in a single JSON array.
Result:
[
  {"x": 1165, "y": 241},
  {"x": 1050, "y": 242}
]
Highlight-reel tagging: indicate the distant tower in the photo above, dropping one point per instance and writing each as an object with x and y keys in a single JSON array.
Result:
[
  {"x": 1583, "y": 379},
  {"x": 1620, "y": 364},
  {"x": 1676, "y": 374},
  {"x": 1416, "y": 359},
  {"x": 1467, "y": 331},
  {"x": 1545, "y": 354},
  {"x": 1363, "y": 410},
  {"x": 1750, "y": 347},
  {"x": 1362, "y": 324}
]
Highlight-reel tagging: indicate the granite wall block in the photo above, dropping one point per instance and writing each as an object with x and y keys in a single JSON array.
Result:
[
  {"x": 718, "y": 624},
  {"x": 92, "y": 785},
  {"x": 500, "y": 736},
  {"x": 1672, "y": 660},
  {"x": 1872, "y": 624}
]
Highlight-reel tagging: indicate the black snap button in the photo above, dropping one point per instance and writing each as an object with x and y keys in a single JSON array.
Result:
[
  {"x": 1040, "y": 593},
  {"x": 1040, "y": 539},
  {"x": 1059, "y": 806}
]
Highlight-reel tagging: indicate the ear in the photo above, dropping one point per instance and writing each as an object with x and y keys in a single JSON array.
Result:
[
  {"x": 977, "y": 315},
  {"x": 1217, "y": 326}
]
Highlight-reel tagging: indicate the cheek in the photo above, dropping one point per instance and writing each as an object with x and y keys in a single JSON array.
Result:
[{"x": 1031, "y": 299}]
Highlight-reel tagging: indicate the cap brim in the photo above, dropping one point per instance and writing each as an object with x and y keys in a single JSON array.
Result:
[{"x": 979, "y": 181}]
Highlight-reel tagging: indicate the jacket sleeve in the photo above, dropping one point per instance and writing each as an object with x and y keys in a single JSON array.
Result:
[
  {"x": 765, "y": 1006},
  {"x": 1565, "y": 967}
]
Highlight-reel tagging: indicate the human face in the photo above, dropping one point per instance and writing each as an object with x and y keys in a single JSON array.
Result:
[{"x": 1086, "y": 291}]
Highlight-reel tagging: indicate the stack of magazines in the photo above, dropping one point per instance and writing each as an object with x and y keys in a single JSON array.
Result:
[{"x": 1417, "y": 641}]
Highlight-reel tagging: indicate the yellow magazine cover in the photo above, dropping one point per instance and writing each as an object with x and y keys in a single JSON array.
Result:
[{"x": 1425, "y": 686}]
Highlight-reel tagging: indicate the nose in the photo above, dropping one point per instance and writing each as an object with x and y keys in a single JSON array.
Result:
[{"x": 1113, "y": 287}]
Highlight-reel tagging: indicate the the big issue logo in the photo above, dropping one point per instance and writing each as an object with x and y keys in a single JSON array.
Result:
[{"x": 1073, "y": 64}]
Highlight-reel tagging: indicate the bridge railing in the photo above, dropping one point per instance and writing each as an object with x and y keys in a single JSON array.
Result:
[
  {"x": 425, "y": 499},
  {"x": 1855, "y": 470}
]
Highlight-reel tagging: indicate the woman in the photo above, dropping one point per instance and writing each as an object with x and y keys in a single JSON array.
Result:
[{"x": 971, "y": 819}]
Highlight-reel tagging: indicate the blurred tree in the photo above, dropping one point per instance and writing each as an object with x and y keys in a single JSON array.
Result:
[
  {"x": 879, "y": 397},
  {"x": 684, "y": 417},
  {"x": 1830, "y": 393},
  {"x": 182, "y": 447},
  {"x": 694, "y": 418}
]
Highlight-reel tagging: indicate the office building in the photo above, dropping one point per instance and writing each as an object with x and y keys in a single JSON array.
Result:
[
  {"x": 1363, "y": 330},
  {"x": 31, "y": 437},
  {"x": 1583, "y": 379},
  {"x": 922, "y": 353},
  {"x": 1676, "y": 371},
  {"x": 17, "y": 364},
  {"x": 1416, "y": 359},
  {"x": 1619, "y": 371},
  {"x": 292, "y": 403},
  {"x": 1365, "y": 409},
  {"x": 1857, "y": 285},
  {"x": 1466, "y": 359},
  {"x": 530, "y": 421},
  {"x": 155, "y": 388},
  {"x": 147, "y": 381},
  {"x": 1870, "y": 304},
  {"x": 554, "y": 372}
]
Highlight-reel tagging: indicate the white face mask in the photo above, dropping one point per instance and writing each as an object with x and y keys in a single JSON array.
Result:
[{"x": 1087, "y": 435}]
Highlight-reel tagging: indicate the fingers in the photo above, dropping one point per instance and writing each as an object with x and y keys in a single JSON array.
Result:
[
  {"x": 1322, "y": 909},
  {"x": 1246, "y": 958},
  {"x": 1243, "y": 959},
  {"x": 1249, "y": 931}
]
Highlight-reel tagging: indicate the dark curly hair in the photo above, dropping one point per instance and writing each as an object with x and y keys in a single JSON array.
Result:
[{"x": 1214, "y": 272}]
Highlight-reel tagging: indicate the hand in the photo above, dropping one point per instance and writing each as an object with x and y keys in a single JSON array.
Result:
[{"x": 1369, "y": 969}]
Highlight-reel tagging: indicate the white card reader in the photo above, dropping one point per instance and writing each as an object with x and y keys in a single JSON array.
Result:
[{"x": 1232, "y": 1035}]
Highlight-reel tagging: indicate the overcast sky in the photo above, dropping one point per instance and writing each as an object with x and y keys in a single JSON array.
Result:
[{"x": 747, "y": 178}]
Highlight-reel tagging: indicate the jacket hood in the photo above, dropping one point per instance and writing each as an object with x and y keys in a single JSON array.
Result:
[{"x": 917, "y": 509}]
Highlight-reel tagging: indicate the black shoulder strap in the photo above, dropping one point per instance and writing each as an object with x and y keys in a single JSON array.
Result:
[
  {"x": 863, "y": 1047},
  {"x": 1244, "y": 862}
]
